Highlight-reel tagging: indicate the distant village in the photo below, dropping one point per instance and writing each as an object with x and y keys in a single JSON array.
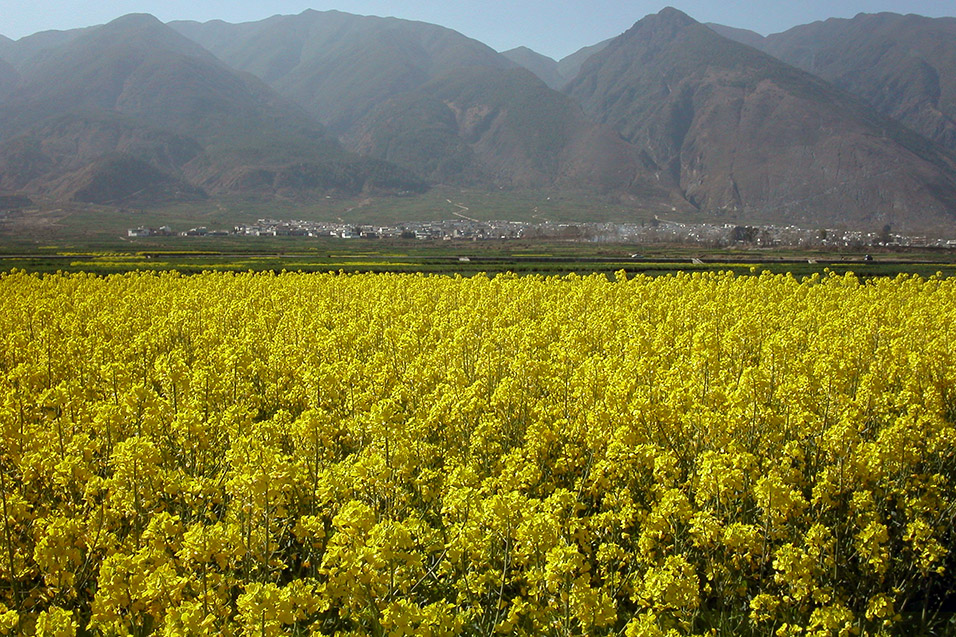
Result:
[{"x": 654, "y": 232}]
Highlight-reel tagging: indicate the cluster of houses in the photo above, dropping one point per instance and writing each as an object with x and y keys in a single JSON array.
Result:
[
  {"x": 432, "y": 230},
  {"x": 449, "y": 229},
  {"x": 657, "y": 231},
  {"x": 166, "y": 231}
]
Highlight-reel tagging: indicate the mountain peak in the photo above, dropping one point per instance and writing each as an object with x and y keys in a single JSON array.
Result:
[
  {"x": 664, "y": 25},
  {"x": 520, "y": 53},
  {"x": 137, "y": 31},
  {"x": 734, "y": 126},
  {"x": 675, "y": 16},
  {"x": 134, "y": 21},
  {"x": 541, "y": 65}
]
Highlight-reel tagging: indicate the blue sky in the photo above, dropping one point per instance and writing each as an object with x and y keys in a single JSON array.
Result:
[{"x": 553, "y": 27}]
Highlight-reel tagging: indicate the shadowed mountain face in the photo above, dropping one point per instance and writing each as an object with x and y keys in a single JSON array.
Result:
[
  {"x": 670, "y": 115},
  {"x": 570, "y": 66},
  {"x": 742, "y": 132},
  {"x": 138, "y": 94},
  {"x": 503, "y": 126},
  {"x": 139, "y": 67},
  {"x": 554, "y": 74},
  {"x": 338, "y": 66},
  {"x": 27, "y": 48},
  {"x": 904, "y": 65},
  {"x": 542, "y": 66},
  {"x": 8, "y": 79},
  {"x": 122, "y": 178},
  {"x": 744, "y": 36},
  {"x": 63, "y": 155}
]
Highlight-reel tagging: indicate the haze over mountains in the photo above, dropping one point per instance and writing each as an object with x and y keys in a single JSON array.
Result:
[
  {"x": 542, "y": 66},
  {"x": 8, "y": 78},
  {"x": 426, "y": 98},
  {"x": 133, "y": 108},
  {"x": 339, "y": 66},
  {"x": 672, "y": 116}
]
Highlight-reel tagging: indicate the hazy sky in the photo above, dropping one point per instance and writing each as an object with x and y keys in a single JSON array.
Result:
[{"x": 553, "y": 27}]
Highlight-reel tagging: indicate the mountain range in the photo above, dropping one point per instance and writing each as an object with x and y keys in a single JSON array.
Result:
[
  {"x": 740, "y": 130},
  {"x": 902, "y": 65},
  {"x": 133, "y": 110},
  {"x": 844, "y": 122}
]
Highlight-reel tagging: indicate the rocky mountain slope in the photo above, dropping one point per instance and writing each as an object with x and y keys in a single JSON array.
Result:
[
  {"x": 570, "y": 66},
  {"x": 8, "y": 79},
  {"x": 504, "y": 127},
  {"x": 904, "y": 65},
  {"x": 671, "y": 116},
  {"x": 339, "y": 66},
  {"x": 136, "y": 92},
  {"x": 545, "y": 68},
  {"x": 744, "y": 133},
  {"x": 429, "y": 99}
]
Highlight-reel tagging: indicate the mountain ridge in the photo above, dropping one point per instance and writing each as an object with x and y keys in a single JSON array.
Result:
[
  {"x": 17, "y": 52},
  {"x": 743, "y": 36},
  {"x": 669, "y": 116},
  {"x": 106, "y": 98},
  {"x": 506, "y": 126},
  {"x": 902, "y": 65},
  {"x": 339, "y": 66},
  {"x": 541, "y": 65},
  {"x": 570, "y": 65},
  {"x": 743, "y": 131}
]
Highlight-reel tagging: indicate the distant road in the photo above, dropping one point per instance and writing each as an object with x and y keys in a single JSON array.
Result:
[{"x": 462, "y": 209}]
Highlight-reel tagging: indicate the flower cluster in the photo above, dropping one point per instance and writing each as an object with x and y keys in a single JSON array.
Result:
[{"x": 260, "y": 454}]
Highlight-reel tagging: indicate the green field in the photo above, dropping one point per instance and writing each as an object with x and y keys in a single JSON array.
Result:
[
  {"x": 465, "y": 259},
  {"x": 92, "y": 226},
  {"x": 79, "y": 237}
]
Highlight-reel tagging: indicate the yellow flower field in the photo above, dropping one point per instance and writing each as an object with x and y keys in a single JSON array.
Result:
[{"x": 262, "y": 454}]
